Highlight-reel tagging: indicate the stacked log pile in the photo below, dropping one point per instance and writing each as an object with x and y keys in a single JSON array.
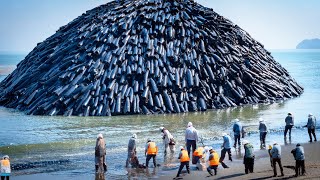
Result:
[{"x": 145, "y": 57}]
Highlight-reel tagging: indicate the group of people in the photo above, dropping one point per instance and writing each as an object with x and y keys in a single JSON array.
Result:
[{"x": 206, "y": 155}]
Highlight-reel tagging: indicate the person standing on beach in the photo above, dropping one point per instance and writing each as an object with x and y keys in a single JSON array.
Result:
[
  {"x": 213, "y": 162},
  {"x": 248, "y": 158},
  {"x": 132, "y": 151},
  {"x": 100, "y": 154},
  {"x": 5, "y": 168},
  {"x": 263, "y": 133},
  {"x": 168, "y": 141},
  {"x": 298, "y": 154},
  {"x": 184, "y": 160},
  {"x": 289, "y": 124},
  {"x": 226, "y": 147},
  {"x": 311, "y": 127},
  {"x": 151, "y": 151},
  {"x": 237, "y": 130},
  {"x": 191, "y": 138},
  {"x": 276, "y": 158}
]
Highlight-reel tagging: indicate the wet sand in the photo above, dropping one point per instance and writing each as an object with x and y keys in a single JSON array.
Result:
[{"x": 262, "y": 168}]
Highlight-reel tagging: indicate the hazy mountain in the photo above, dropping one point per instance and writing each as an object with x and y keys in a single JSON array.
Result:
[{"x": 309, "y": 44}]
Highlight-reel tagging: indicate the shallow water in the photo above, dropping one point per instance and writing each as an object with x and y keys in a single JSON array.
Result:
[{"x": 42, "y": 139}]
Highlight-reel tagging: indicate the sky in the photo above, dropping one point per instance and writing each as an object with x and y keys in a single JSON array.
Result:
[{"x": 278, "y": 24}]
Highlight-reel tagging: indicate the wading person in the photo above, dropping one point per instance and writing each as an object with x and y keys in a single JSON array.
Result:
[
  {"x": 168, "y": 141},
  {"x": 132, "y": 152},
  {"x": 237, "y": 130},
  {"x": 184, "y": 160},
  {"x": 248, "y": 158},
  {"x": 213, "y": 162},
  {"x": 298, "y": 154},
  {"x": 191, "y": 138},
  {"x": 5, "y": 168},
  {"x": 151, "y": 151},
  {"x": 226, "y": 148},
  {"x": 263, "y": 133},
  {"x": 311, "y": 127},
  {"x": 289, "y": 124},
  {"x": 100, "y": 154},
  {"x": 276, "y": 158}
]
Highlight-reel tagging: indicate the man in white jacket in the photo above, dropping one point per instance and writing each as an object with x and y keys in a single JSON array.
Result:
[
  {"x": 191, "y": 138},
  {"x": 168, "y": 141}
]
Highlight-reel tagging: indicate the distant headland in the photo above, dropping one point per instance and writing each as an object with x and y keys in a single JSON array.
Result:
[{"x": 309, "y": 44}]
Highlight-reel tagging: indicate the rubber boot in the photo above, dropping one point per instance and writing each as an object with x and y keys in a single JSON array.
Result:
[
  {"x": 105, "y": 167},
  {"x": 97, "y": 167}
]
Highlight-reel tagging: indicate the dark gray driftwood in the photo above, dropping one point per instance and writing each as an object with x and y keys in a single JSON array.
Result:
[{"x": 145, "y": 57}]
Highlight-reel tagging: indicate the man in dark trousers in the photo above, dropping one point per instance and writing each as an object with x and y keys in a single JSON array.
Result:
[
  {"x": 151, "y": 151},
  {"x": 184, "y": 161},
  {"x": 289, "y": 124},
  {"x": 311, "y": 127},
  {"x": 248, "y": 158},
  {"x": 298, "y": 154},
  {"x": 276, "y": 158},
  {"x": 237, "y": 130},
  {"x": 226, "y": 148}
]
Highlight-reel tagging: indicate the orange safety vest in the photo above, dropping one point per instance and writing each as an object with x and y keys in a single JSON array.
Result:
[
  {"x": 215, "y": 160},
  {"x": 184, "y": 156},
  {"x": 152, "y": 148},
  {"x": 198, "y": 152}
]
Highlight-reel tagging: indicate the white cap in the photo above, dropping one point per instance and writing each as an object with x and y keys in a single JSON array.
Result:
[
  {"x": 236, "y": 120},
  {"x": 190, "y": 124},
  {"x": 181, "y": 147},
  {"x": 206, "y": 148},
  {"x": 5, "y": 156},
  {"x": 224, "y": 134},
  {"x": 245, "y": 142},
  {"x": 310, "y": 114},
  {"x": 275, "y": 142},
  {"x": 134, "y": 136},
  {"x": 161, "y": 128},
  {"x": 100, "y": 136},
  {"x": 260, "y": 120}
]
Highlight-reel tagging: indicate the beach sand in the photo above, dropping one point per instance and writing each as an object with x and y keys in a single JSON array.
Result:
[{"x": 262, "y": 168}]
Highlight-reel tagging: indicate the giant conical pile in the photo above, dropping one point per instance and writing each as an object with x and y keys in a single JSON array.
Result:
[{"x": 146, "y": 56}]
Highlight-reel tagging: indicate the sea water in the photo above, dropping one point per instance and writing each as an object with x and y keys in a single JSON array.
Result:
[{"x": 44, "y": 141}]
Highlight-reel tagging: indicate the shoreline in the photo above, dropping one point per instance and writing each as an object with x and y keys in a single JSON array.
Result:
[{"x": 262, "y": 168}]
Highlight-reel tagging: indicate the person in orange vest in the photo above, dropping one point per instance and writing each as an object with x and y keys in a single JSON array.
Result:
[
  {"x": 213, "y": 162},
  {"x": 184, "y": 160},
  {"x": 5, "y": 168},
  {"x": 151, "y": 151},
  {"x": 197, "y": 155}
]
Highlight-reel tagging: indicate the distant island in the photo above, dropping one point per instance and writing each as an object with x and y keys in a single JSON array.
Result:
[{"x": 309, "y": 44}]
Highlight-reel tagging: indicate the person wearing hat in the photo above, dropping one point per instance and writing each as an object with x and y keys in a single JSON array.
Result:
[
  {"x": 168, "y": 141},
  {"x": 5, "y": 168},
  {"x": 184, "y": 160},
  {"x": 100, "y": 154},
  {"x": 263, "y": 132},
  {"x": 132, "y": 151},
  {"x": 276, "y": 158},
  {"x": 289, "y": 124},
  {"x": 248, "y": 158},
  {"x": 213, "y": 162},
  {"x": 237, "y": 129},
  {"x": 311, "y": 127},
  {"x": 191, "y": 138},
  {"x": 225, "y": 148},
  {"x": 298, "y": 154},
  {"x": 151, "y": 151}
]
